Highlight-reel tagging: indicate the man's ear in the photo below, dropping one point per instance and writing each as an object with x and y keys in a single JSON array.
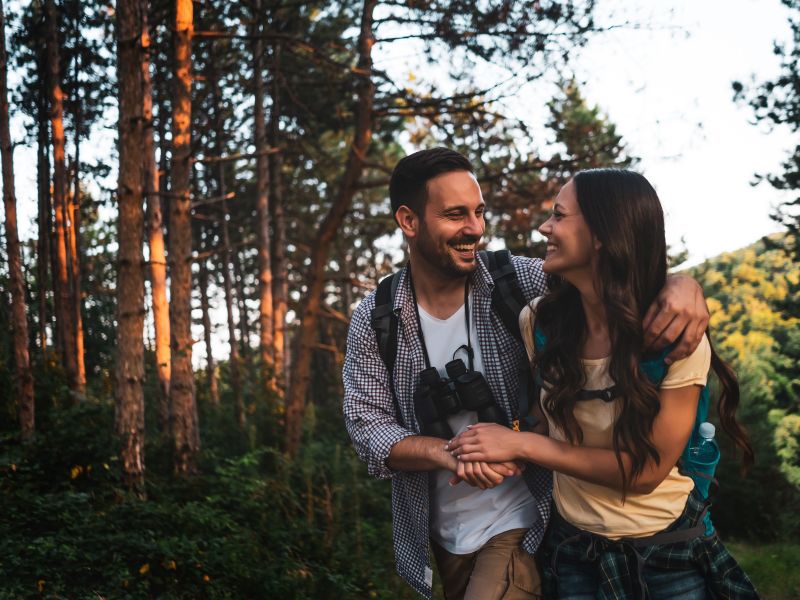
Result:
[{"x": 407, "y": 220}]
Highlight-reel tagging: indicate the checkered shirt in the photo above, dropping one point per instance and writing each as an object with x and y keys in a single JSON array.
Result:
[{"x": 374, "y": 428}]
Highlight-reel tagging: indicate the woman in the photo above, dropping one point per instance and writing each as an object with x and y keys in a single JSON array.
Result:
[{"x": 615, "y": 437}]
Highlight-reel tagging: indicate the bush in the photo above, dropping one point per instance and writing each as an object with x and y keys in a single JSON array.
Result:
[{"x": 254, "y": 525}]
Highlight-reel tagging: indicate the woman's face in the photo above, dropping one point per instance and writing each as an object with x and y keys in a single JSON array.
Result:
[{"x": 571, "y": 247}]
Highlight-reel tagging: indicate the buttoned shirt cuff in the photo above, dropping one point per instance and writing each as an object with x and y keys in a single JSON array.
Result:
[{"x": 379, "y": 448}]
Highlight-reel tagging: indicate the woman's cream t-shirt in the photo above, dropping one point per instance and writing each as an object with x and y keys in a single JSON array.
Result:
[{"x": 600, "y": 509}]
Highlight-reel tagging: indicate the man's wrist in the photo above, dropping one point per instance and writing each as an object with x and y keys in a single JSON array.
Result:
[{"x": 443, "y": 458}]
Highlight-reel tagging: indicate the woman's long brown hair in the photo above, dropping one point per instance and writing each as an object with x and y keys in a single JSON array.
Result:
[{"x": 623, "y": 212}]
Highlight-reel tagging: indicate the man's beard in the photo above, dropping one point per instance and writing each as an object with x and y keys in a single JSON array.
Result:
[{"x": 441, "y": 258}]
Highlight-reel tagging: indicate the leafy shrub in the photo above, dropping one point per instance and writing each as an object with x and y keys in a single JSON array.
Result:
[{"x": 254, "y": 525}]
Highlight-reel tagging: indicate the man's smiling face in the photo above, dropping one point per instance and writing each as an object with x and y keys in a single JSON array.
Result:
[{"x": 453, "y": 223}]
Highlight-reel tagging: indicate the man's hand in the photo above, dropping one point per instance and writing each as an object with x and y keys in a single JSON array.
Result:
[
  {"x": 423, "y": 453},
  {"x": 678, "y": 313},
  {"x": 485, "y": 475}
]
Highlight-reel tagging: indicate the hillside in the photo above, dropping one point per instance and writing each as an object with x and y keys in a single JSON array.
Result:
[{"x": 754, "y": 298}]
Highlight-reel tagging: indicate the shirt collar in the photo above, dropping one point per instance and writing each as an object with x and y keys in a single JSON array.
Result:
[{"x": 481, "y": 284}]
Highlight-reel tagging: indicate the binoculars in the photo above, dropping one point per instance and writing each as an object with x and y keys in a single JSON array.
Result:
[{"x": 437, "y": 397}]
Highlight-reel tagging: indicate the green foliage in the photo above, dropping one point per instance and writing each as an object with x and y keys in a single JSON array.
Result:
[
  {"x": 586, "y": 137},
  {"x": 787, "y": 443},
  {"x": 255, "y": 525},
  {"x": 755, "y": 325}
]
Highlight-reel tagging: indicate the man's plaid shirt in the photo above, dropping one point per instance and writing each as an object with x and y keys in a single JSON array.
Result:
[{"x": 374, "y": 428}]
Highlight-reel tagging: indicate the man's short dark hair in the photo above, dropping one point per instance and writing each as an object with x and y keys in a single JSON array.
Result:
[{"x": 411, "y": 175}]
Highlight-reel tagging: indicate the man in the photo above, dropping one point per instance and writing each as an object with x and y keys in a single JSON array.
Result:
[{"x": 482, "y": 521}]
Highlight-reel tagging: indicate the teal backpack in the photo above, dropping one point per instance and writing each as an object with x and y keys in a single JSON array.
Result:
[{"x": 656, "y": 370}]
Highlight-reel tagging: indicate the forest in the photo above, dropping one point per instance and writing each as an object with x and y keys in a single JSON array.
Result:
[{"x": 210, "y": 205}]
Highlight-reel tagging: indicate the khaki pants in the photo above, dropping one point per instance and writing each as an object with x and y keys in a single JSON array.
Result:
[{"x": 501, "y": 569}]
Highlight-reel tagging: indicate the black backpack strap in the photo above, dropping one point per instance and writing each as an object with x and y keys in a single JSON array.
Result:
[
  {"x": 507, "y": 298},
  {"x": 384, "y": 321},
  {"x": 508, "y": 302}
]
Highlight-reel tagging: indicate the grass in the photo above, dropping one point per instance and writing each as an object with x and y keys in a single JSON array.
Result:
[{"x": 773, "y": 568}]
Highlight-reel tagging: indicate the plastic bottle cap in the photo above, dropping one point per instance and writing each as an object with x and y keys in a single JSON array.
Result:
[{"x": 707, "y": 430}]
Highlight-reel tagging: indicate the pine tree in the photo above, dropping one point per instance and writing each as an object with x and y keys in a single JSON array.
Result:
[
  {"x": 23, "y": 377},
  {"x": 129, "y": 363},
  {"x": 777, "y": 103}
]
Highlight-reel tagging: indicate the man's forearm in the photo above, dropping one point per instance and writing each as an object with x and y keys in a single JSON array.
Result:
[{"x": 420, "y": 453}]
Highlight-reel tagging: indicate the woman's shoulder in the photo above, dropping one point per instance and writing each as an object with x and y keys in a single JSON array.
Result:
[
  {"x": 527, "y": 316},
  {"x": 692, "y": 369}
]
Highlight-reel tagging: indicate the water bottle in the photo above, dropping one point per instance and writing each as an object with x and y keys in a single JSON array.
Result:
[
  {"x": 701, "y": 463},
  {"x": 707, "y": 451}
]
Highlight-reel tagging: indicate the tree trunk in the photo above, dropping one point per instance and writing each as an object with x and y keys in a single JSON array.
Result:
[
  {"x": 211, "y": 371},
  {"x": 185, "y": 432},
  {"x": 301, "y": 362},
  {"x": 238, "y": 404},
  {"x": 163, "y": 162},
  {"x": 244, "y": 317},
  {"x": 280, "y": 278},
  {"x": 73, "y": 250},
  {"x": 74, "y": 214},
  {"x": 129, "y": 365},
  {"x": 155, "y": 237},
  {"x": 43, "y": 243},
  {"x": 19, "y": 324},
  {"x": 222, "y": 190},
  {"x": 262, "y": 209},
  {"x": 64, "y": 314},
  {"x": 347, "y": 286}
]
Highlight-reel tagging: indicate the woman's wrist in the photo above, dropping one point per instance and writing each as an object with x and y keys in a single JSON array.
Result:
[{"x": 524, "y": 446}]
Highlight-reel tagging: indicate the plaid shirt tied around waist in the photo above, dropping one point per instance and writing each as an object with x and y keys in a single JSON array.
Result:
[
  {"x": 374, "y": 427},
  {"x": 619, "y": 564}
]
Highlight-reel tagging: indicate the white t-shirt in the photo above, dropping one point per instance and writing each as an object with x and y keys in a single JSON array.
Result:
[{"x": 464, "y": 518}]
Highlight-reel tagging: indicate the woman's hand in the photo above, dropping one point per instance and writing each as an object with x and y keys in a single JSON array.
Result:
[{"x": 487, "y": 442}]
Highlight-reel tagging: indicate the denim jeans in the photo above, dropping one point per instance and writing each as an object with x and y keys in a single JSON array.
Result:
[
  {"x": 578, "y": 569},
  {"x": 580, "y": 581}
]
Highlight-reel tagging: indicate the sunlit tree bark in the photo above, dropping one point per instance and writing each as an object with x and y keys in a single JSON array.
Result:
[
  {"x": 73, "y": 199},
  {"x": 63, "y": 300},
  {"x": 155, "y": 236},
  {"x": 44, "y": 224},
  {"x": 183, "y": 406},
  {"x": 72, "y": 204}
]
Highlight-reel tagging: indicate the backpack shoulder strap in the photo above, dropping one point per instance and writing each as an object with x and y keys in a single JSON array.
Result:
[
  {"x": 507, "y": 298},
  {"x": 385, "y": 323},
  {"x": 654, "y": 366},
  {"x": 656, "y": 370}
]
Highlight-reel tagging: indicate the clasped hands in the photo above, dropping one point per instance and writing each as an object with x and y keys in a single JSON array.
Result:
[
  {"x": 484, "y": 474},
  {"x": 482, "y": 455}
]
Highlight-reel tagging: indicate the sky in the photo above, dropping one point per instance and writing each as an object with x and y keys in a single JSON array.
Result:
[
  {"x": 666, "y": 83},
  {"x": 663, "y": 73},
  {"x": 667, "y": 86}
]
